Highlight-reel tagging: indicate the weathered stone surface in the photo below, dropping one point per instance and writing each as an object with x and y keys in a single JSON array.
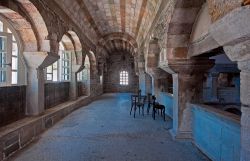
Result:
[{"x": 219, "y": 8}]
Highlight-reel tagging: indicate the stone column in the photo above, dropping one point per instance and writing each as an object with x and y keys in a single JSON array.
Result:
[
  {"x": 77, "y": 66},
  {"x": 148, "y": 83},
  {"x": 73, "y": 82},
  {"x": 36, "y": 63},
  {"x": 142, "y": 82},
  {"x": 188, "y": 86},
  {"x": 244, "y": 66}
]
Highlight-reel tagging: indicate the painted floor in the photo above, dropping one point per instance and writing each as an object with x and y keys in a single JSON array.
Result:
[{"x": 104, "y": 131}]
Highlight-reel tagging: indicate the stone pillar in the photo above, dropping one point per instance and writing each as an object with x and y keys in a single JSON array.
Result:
[
  {"x": 35, "y": 91},
  {"x": 188, "y": 86},
  {"x": 36, "y": 63},
  {"x": 142, "y": 83},
  {"x": 77, "y": 66},
  {"x": 74, "y": 83},
  {"x": 244, "y": 66},
  {"x": 148, "y": 83}
]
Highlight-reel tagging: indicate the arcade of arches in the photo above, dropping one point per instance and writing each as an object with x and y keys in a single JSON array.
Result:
[{"x": 57, "y": 56}]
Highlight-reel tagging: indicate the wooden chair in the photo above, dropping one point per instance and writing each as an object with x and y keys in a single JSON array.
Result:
[
  {"x": 137, "y": 101},
  {"x": 156, "y": 107}
]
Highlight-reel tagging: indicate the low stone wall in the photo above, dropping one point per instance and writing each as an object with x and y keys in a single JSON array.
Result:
[
  {"x": 167, "y": 100},
  {"x": 12, "y": 104},
  {"x": 17, "y": 135},
  {"x": 56, "y": 93},
  {"x": 216, "y": 133}
]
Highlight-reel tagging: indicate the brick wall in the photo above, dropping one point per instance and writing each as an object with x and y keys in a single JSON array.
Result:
[
  {"x": 56, "y": 93},
  {"x": 116, "y": 63},
  {"x": 12, "y": 104}
]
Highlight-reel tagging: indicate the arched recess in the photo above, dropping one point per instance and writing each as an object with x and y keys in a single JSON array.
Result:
[{"x": 127, "y": 42}]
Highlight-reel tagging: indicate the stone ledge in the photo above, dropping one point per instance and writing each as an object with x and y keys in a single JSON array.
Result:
[
  {"x": 17, "y": 135},
  {"x": 223, "y": 115}
]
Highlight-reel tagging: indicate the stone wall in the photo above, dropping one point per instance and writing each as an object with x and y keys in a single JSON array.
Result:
[
  {"x": 56, "y": 93},
  {"x": 12, "y": 104},
  {"x": 117, "y": 63},
  {"x": 82, "y": 89}
]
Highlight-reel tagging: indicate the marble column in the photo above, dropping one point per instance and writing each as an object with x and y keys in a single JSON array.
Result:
[{"x": 188, "y": 88}]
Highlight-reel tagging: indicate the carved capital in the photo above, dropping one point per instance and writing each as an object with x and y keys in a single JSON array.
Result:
[{"x": 190, "y": 66}]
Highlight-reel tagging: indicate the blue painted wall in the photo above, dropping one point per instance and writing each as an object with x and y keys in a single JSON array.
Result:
[
  {"x": 216, "y": 133},
  {"x": 167, "y": 100}
]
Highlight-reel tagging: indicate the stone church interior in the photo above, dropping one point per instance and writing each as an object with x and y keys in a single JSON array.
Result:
[{"x": 119, "y": 80}]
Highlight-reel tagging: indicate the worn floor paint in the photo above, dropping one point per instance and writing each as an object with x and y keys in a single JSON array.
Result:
[{"x": 105, "y": 131}]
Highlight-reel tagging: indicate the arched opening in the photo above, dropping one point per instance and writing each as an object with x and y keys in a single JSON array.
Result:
[
  {"x": 83, "y": 78},
  {"x": 58, "y": 75},
  {"x": 12, "y": 71}
]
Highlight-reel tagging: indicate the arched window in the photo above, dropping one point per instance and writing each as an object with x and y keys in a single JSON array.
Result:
[
  {"x": 61, "y": 69},
  {"x": 123, "y": 78},
  {"x": 9, "y": 55}
]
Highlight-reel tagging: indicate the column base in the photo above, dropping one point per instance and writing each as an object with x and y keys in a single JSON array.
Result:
[{"x": 181, "y": 135}]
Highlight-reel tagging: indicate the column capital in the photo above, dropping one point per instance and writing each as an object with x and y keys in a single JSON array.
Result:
[{"x": 189, "y": 66}]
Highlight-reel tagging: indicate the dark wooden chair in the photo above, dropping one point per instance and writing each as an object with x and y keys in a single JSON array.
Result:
[
  {"x": 157, "y": 107},
  {"x": 137, "y": 101}
]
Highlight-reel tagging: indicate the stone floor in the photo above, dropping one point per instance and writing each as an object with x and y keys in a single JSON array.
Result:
[{"x": 104, "y": 130}]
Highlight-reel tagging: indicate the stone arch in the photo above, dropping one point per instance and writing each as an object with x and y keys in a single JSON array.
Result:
[
  {"x": 93, "y": 64},
  {"x": 118, "y": 36},
  {"x": 22, "y": 28},
  {"x": 180, "y": 27},
  {"x": 28, "y": 21}
]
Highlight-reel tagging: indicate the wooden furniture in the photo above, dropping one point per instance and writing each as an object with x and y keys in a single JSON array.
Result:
[
  {"x": 157, "y": 107},
  {"x": 137, "y": 101}
]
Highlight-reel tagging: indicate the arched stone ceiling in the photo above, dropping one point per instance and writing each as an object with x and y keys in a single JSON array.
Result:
[
  {"x": 104, "y": 17},
  {"x": 113, "y": 46}
]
